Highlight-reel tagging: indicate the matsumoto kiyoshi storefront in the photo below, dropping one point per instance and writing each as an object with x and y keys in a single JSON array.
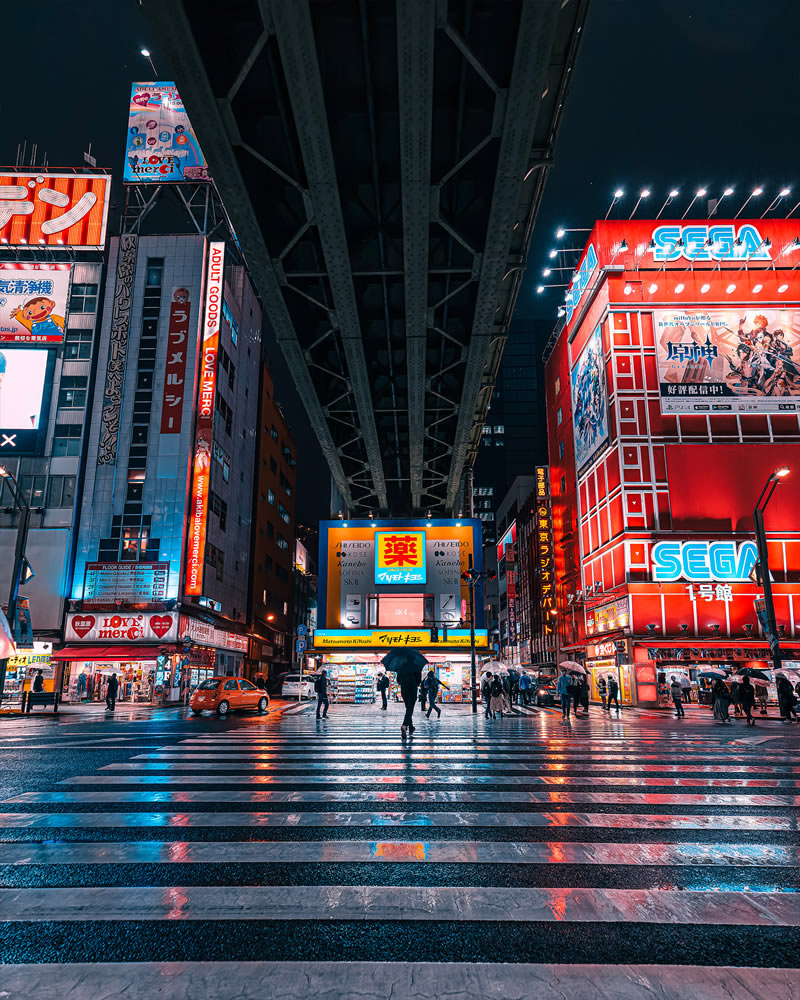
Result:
[
  {"x": 139, "y": 647},
  {"x": 387, "y": 584}
]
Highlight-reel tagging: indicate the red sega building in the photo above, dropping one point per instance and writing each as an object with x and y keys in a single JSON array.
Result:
[{"x": 673, "y": 393}]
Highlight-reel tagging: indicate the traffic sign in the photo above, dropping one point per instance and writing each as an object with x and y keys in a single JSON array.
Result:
[
  {"x": 300, "y": 645},
  {"x": 301, "y": 630}
]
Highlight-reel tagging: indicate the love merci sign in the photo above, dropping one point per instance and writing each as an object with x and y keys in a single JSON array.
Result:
[{"x": 130, "y": 627}]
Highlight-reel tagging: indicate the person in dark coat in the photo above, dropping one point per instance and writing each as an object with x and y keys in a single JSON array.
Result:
[
  {"x": 38, "y": 682},
  {"x": 786, "y": 699},
  {"x": 584, "y": 692},
  {"x": 432, "y": 684},
  {"x": 486, "y": 691},
  {"x": 601, "y": 689},
  {"x": 613, "y": 692},
  {"x": 408, "y": 665},
  {"x": 575, "y": 691},
  {"x": 676, "y": 691},
  {"x": 747, "y": 699},
  {"x": 321, "y": 691},
  {"x": 383, "y": 686},
  {"x": 722, "y": 700},
  {"x": 111, "y": 693}
]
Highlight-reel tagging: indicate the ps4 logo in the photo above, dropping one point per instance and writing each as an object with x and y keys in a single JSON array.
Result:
[
  {"x": 698, "y": 242},
  {"x": 721, "y": 561}
]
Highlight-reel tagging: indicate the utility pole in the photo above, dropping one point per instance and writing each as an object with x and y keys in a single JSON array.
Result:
[
  {"x": 18, "y": 566},
  {"x": 770, "y": 628}
]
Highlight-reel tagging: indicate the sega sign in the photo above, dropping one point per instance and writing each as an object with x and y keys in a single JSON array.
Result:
[
  {"x": 698, "y": 242},
  {"x": 580, "y": 280},
  {"x": 723, "y": 561}
]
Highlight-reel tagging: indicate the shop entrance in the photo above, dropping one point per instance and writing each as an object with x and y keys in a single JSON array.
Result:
[{"x": 352, "y": 676}]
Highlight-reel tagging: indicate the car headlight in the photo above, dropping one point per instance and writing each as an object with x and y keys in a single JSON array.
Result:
[{"x": 542, "y": 691}]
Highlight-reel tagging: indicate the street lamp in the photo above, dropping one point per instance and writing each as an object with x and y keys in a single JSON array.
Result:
[
  {"x": 763, "y": 561},
  {"x": 148, "y": 56},
  {"x": 472, "y": 577},
  {"x": 19, "y": 570}
]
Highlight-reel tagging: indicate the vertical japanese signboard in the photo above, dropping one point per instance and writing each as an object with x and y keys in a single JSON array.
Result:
[
  {"x": 117, "y": 349},
  {"x": 175, "y": 367},
  {"x": 201, "y": 471},
  {"x": 33, "y": 301},
  {"x": 544, "y": 549}
]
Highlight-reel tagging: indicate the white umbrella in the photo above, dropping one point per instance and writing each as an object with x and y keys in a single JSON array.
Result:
[
  {"x": 493, "y": 666},
  {"x": 572, "y": 666}
]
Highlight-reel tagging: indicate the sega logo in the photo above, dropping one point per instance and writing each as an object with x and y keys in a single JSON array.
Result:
[
  {"x": 580, "y": 280},
  {"x": 722, "y": 561},
  {"x": 721, "y": 242}
]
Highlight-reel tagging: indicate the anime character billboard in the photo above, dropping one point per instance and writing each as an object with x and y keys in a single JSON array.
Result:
[
  {"x": 589, "y": 401},
  {"x": 33, "y": 302},
  {"x": 728, "y": 360}
]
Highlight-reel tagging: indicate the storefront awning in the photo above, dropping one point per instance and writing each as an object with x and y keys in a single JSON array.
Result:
[{"x": 118, "y": 653}]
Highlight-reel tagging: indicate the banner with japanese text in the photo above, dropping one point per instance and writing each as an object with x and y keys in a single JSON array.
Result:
[{"x": 736, "y": 360}]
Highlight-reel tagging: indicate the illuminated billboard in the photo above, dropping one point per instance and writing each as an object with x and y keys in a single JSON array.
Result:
[
  {"x": 589, "y": 401},
  {"x": 201, "y": 470},
  {"x": 33, "y": 302},
  {"x": 25, "y": 381},
  {"x": 363, "y": 567},
  {"x": 400, "y": 557},
  {"x": 728, "y": 360},
  {"x": 54, "y": 210},
  {"x": 161, "y": 143}
]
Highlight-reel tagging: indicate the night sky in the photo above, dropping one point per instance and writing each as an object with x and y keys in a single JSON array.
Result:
[{"x": 666, "y": 93}]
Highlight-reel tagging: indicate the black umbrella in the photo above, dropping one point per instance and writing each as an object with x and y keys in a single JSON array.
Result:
[
  {"x": 752, "y": 672},
  {"x": 404, "y": 661}
]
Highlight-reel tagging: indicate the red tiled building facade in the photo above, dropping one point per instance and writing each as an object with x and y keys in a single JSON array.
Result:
[{"x": 673, "y": 392}]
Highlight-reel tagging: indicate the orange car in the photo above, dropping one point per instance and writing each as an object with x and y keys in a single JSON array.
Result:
[{"x": 222, "y": 694}]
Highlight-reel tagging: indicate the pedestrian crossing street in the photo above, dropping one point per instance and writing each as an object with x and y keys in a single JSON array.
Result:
[{"x": 279, "y": 856}]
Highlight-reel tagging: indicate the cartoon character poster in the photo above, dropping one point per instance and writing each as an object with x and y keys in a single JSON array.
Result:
[
  {"x": 589, "y": 400},
  {"x": 728, "y": 360},
  {"x": 33, "y": 302},
  {"x": 161, "y": 143}
]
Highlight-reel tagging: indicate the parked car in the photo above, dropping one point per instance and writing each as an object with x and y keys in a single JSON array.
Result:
[
  {"x": 545, "y": 692},
  {"x": 224, "y": 694},
  {"x": 291, "y": 683}
]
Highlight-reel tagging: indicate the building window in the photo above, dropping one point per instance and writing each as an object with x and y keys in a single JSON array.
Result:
[
  {"x": 286, "y": 486},
  {"x": 486, "y": 429},
  {"x": 67, "y": 440},
  {"x": 33, "y": 488},
  {"x": 270, "y": 529},
  {"x": 225, "y": 412},
  {"x": 271, "y": 497},
  {"x": 61, "y": 491},
  {"x": 563, "y": 485},
  {"x": 499, "y": 442},
  {"x": 83, "y": 299},
  {"x": 215, "y": 557},
  {"x": 282, "y": 543},
  {"x": 228, "y": 317},
  {"x": 499, "y": 429},
  {"x": 558, "y": 385},
  {"x": 227, "y": 365},
  {"x": 559, "y": 417},
  {"x": 220, "y": 508},
  {"x": 72, "y": 392},
  {"x": 284, "y": 513},
  {"x": 78, "y": 345},
  {"x": 273, "y": 465},
  {"x": 560, "y": 449},
  {"x": 274, "y": 432}
]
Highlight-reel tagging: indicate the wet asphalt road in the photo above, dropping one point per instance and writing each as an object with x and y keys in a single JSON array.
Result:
[{"x": 615, "y": 838}]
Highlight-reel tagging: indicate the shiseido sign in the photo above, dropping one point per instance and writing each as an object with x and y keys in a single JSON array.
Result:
[{"x": 131, "y": 627}]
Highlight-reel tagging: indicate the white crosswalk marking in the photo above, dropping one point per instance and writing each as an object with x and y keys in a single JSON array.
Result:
[{"x": 471, "y": 846}]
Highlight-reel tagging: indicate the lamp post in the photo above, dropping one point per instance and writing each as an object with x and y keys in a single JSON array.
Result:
[
  {"x": 472, "y": 578},
  {"x": 763, "y": 561},
  {"x": 18, "y": 566}
]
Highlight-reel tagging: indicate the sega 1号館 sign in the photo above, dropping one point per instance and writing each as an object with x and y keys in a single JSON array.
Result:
[{"x": 723, "y": 562}]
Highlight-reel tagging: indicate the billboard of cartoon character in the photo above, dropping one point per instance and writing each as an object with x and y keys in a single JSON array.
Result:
[
  {"x": 33, "y": 303},
  {"x": 589, "y": 400},
  {"x": 734, "y": 360}
]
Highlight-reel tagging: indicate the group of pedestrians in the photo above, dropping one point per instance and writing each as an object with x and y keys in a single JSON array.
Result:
[{"x": 496, "y": 691}]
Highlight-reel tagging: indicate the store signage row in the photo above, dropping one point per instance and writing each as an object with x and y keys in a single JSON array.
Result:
[
  {"x": 400, "y": 557},
  {"x": 201, "y": 472},
  {"x": 720, "y": 561},
  {"x": 117, "y": 627},
  {"x": 131, "y": 582},
  {"x": 208, "y": 635},
  {"x": 383, "y": 638}
]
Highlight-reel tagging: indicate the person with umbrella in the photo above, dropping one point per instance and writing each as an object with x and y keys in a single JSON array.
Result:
[
  {"x": 747, "y": 699},
  {"x": 408, "y": 664},
  {"x": 722, "y": 700},
  {"x": 486, "y": 691},
  {"x": 786, "y": 698}
]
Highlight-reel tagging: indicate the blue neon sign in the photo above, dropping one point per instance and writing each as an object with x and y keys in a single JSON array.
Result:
[{"x": 725, "y": 562}]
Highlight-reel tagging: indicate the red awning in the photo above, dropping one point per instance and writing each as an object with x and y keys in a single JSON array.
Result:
[{"x": 119, "y": 653}]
